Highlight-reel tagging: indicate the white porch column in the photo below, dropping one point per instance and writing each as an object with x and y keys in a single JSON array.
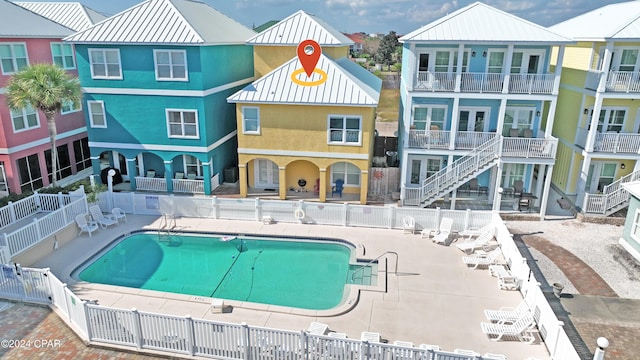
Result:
[
  {"x": 501, "y": 114},
  {"x": 582, "y": 181},
  {"x": 506, "y": 70},
  {"x": 496, "y": 186},
  {"x": 593, "y": 129},
  {"x": 558, "y": 72},
  {"x": 548, "y": 130},
  {"x": 454, "y": 123},
  {"x": 545, "y": 193},
  {"x": 459, "y": 67},
  {"x": 412, "y": 72},
  {"x": 539, "y": 182},
  {"x": 493, "y": 176},
  {"x": 606, "y": 61}
]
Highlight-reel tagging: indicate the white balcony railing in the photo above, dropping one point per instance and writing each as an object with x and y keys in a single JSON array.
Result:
[
  {"x": 482, "y": 82},
  {"x": 623, "y": 81},
  {"x": 529, "y": 147},
  {"x": 531, "y": 83},
  {"x": 610, "y": 142},
  {"x": 469, "y": 140},
  {"x": 188, "y": 186},
  {"x": 151, "y": 184},
  {"x": 435, "y": 81},
  {"x": 429, "y": 139}
]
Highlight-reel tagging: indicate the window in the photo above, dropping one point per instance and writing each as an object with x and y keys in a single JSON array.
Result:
[
  {"x": 171, "y": 64},
  {"x": 345, "y": 129},
  {"x": 24, "y": 119},
  {"x": 465, "y": 61},
  {"x": 519, "y": 118},
  {"x": 64, "y": 163},
  {"x": 496, "y": 59},
  {"x": 347, "y": 172},
  {"x": 442, "y": 61},
  {"x": 516, "y": 62},
  {"x": 183, "y": 123},
  {"x": 4, "y": 187},
  {"x": 628, "y": 60},
  {"x": 429, "y": 118},
  {"x": 611, "y": 120},
  {"x": 62, "y": 55},
  {"x": 29, "y": 171},
  {"x": 250, "y": 120},
  {"x": 192, "y": 165},
  {"x": 97, "y": 117},
  {"x": 635, "y": 227},
  {"x": 70, "y": 107},
  {"x": 13, "y": 58},
  {"x": 82, "y": 154},
  {"x": 423, "y": 62},
  {"x": 105, "y": 63}
]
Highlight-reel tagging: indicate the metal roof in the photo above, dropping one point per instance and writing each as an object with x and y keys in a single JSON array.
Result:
[
  {"x": 18, "y": 22},
  {"x": 342, "y": 87},
  {"x": 481, "y": 23},
  {"x": 166, "y": 22},
  {"x": 73, "y": 15},
  {"x": 298, "y": 27},
  {"x": 616, "y": 21}
]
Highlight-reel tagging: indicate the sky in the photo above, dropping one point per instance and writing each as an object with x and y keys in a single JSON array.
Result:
[{"x": 373, "y": 16}]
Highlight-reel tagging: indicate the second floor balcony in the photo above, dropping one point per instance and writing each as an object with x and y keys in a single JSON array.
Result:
[
  {"x": 610, "y": 142},
  {"x": 485, "y": 83},
  {"x": 615, "y": 81}
]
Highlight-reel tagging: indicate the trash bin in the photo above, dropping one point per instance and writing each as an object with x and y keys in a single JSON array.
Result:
[{"x": 557, "y": 289}]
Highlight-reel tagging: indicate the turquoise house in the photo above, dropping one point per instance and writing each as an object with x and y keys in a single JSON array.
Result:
[
  {"x": 156, "y": 77},
  {"x": 630, "y": 239}
]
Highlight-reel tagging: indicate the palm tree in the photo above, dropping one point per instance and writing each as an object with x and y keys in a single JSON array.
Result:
[{"x": 45, "y": 87}]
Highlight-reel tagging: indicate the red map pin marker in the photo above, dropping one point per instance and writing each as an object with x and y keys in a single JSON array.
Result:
[{"x": 309, "y": 53}]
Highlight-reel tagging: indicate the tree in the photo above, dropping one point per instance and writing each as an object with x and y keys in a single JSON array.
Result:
[
  {"x": 47, "y": 88},
  {"x": 387, "y": 48}
]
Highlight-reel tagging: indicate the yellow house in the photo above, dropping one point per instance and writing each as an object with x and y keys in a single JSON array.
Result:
[
  {"x": 305, "y": 134},
  {"x": 598, "y": 112}
]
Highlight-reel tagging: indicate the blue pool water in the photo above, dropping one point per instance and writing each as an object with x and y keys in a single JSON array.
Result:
[{"x": 302, "y": 274}]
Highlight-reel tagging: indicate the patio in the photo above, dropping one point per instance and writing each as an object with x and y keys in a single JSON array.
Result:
[{"x": 420, "y": 305}]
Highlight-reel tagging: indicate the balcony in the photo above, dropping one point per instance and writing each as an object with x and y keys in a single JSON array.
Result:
[
  {"x": 529, "y": 148},
  {"x": 485, "y": 83},
  {"x": 610, "y": 142},
  {"x": 160, "y": 185},
  {"x": 617, "y": 81},
  {"x": 438, "y": 81}
]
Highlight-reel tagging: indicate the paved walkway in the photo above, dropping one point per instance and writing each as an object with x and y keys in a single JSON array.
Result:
[{"x": 596, "y": 311}]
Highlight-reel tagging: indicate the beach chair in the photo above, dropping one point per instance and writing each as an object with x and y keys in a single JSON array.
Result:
[
  {"x": 99, "y": 217},
  {"x": 337, "y": 188},
  {"x": 518, "y": 188},
  {"x": 490, "y": 356},
  {"x": 507, "y": 314},
  {"x": 482, "y": 242},
  {"x": 370, "y": 336},
  {"x": 317, "y": 328},
  {"x": 191, "y": 176},
  {"x": 429, "y": 347},
  {"x": 86, "y": 226},
  {"x": 521, "y": 330},
  {"x": 151, "y": 173},
  {"x": 472, "y": 232},
  {"x": 442, "y": 236},
  {"x": 482, "y": 260},
  {"x": 179, "y": 175},
  {"x": 117, "y": 214},
  {"x": 408, "y": 225},
  {"x": 506, "y": 280}
]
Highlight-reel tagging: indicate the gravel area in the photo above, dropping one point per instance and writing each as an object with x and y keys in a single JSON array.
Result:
[{"x": 595, "y": 244}]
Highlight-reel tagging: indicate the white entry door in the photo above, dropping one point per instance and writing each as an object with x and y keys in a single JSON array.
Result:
[
  {"x": 473, "y": 119},
  {"x": 600, "y": 175},
  {"x": 422, "y": 168},
  {"x": 266, "y": 173}
]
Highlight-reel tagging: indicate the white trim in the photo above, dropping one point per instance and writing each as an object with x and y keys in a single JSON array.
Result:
[
  {"x": 167, "y": 92},
  {"x": 157, "y": 147},
  {"x": 244, "y": 131},
  {"x": 106, "y": 75},
  {"x": 13, "y": 57},
  {"x": 182, "y": 123},
  {"x": 104, "y": 114},
  {"x": 344, "y": 130},
  {"x": 25, "y": 120},
  {"x": 172, "y": 78},
  {"x": 32, "y": 144},
  {"x": 299, "y": 154}
]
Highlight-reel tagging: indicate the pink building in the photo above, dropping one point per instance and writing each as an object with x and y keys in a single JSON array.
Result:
[{"x": 32, "y": 33}]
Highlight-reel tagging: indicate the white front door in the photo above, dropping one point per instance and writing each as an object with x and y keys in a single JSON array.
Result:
[
  {"x": 600, "y": 175},
  {"x": 527, "y": 62},
  {"x": 120, "y": 163},
  {"x": 422, "y": 168},
  {"x": 519, "y": 119},
  {"x": 512, "y": 173},
  {"x": 473, "y": 119},
  {"x": 266, "y": 173}
]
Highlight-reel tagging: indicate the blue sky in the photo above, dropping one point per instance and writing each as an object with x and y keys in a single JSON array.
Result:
[{"x": 370, "y": 16}]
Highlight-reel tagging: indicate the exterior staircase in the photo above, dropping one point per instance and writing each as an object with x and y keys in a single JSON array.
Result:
[
  {"x": 460, "y": 171},
  {"x": 613, "y": 198}
]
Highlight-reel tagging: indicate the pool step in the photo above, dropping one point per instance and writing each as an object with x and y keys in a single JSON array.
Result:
[{"x": 359, "y": 275}]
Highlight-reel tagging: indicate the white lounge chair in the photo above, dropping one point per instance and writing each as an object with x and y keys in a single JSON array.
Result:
[
  {"x": 408, "y": 225},
  {"x": 117, "y": 214},
  {"x": 472, "y": 232},
  {"x": 521, "y": 329},
  {"x": 506, "y": 280},
  {"x": 429, "y": 347},
  {"x": 482, "y": 242},
  {"x": 317, "y": 328},
  {"x": 490, "y": 356},
  {"x": 99, "y": 217},
  {"x": 370, "y": 336},
  {"x": 86, "y": 226},
  {"x": 466, "y": 352},
  {"x": 507, "y": 314},
  {"x": 483, "y": 259},
  {"x": 440, "y": 235}
]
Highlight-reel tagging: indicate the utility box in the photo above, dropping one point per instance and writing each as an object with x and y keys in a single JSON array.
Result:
[{"x": 231, "y": 175}]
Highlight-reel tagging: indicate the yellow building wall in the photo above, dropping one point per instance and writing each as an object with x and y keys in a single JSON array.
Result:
[
  {"x": 575, "y": 173},
  {"x": 268, "y": 58},
  {"x": 562, "y": 166},
  {"x": 567, "y": 115},
  {"x": 576, "y": 56}
]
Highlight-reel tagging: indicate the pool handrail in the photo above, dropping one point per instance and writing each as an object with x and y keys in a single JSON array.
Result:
[{"x": 379, "y": 256}]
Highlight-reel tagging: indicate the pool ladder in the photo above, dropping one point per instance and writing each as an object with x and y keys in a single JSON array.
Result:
[
  {"x": 371, "y": 261},
  {"x": 167, "y": 223}
]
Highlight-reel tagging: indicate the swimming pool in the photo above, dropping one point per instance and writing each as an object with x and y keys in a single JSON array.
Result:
[{"x": 303, "y": 274}]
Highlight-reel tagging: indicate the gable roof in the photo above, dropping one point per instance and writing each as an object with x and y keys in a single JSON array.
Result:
[
  {"x": 298, "y": 27},
  {"x": 481, "y": 23},
  {"x": 73, "y": 15},
  {"x": 616, "y": 21},
  {"x": 16, "y": 21},
  {"x": 166, "y": 22},
  {"x": 343, "y": 87}
]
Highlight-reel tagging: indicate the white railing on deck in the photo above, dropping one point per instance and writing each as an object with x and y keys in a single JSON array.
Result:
[
  {"x": 529, "y": 147},
  {"x": 612, "y": 198},
  {"x": 617, "y": 143},
  {"x": 469, "y": 140},
  {"x": 435, "y": 81},
  {"x": 151, "y": 184},
  {"x": 482, "y": 82},
  {"x": 429, "y": 139},
  {"x": 531, "y": 83},
  {"x": 188, "y": 186},
  {"x": 623, "y": 81}
]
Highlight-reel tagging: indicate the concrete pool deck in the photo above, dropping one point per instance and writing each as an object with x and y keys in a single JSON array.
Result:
[{"x": 433, "y": 299}]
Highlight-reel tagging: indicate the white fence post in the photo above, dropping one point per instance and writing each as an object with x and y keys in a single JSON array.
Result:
[
  {"x": 345, "y": 221},
  {"x": 247, "y": 346},
  {"x": 138, "y": 327},
  {"x": 467, "y": 216},
  {"x": 37, "y": 201},
  {"x": 391, "y": 217},
  {"x": 191, "y": 335},
  {"x": 37, "y": 225},
  {"x": 258, "y": 210},
  {"x": 603, "y": 344},
  {"x": 214, "y": 207},
  {"x": 12, "y": 212},
  {"x": 60, "y": 200}
]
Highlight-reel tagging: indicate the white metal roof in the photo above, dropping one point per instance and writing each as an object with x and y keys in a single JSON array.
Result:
[
  {"x": 298, "y": 27},
  {"x": 73, "y": 15},
  {"x": 616, "y": 21},
  {"x": 633, "y": 187},
  {"x": 16, "y": 21},
  {"x": 482, "y": 23},
  {"x": 342, "y": 87},
  {"x": 166, "y": 22}
]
